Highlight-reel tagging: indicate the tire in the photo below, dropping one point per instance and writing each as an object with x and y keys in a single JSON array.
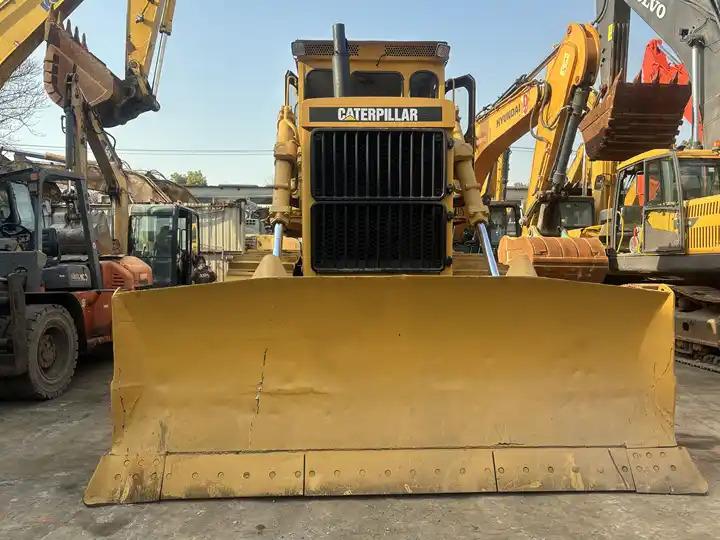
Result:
[{"x": 52, "y": 355}]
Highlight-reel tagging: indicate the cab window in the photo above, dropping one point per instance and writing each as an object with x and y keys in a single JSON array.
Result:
[
  {"x": 424, "y": 84},
  {"x": 630, "y": 206},
  {"x": 699, "y": 178},
  {"x": 319, "y": 84},
  {"x": 5, "y": 209},
  {"x": 24, "y": 205},
  {"x": 376, "y": 83},
  {"x": 660, "y": 188}
]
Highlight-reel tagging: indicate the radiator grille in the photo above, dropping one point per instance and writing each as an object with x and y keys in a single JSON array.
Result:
[
  {"x": 361, "y": 237},
  {"x": 378, "y": 164}
]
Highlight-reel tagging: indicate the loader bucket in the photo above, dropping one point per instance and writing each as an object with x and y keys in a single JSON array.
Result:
[
  {"x": 368, "y": 385},
  {"x": 634, "y": 118}
]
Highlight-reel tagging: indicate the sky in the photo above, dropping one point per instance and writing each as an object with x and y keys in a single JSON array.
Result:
[{"x": 222, "y": 81}]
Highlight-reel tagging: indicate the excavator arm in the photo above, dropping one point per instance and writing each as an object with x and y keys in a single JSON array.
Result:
[
  {"x": 95, "y": 98},
  {"x": 147, "y": 21},
  {"x": 501, "y": 125},
  {"x": 22, "y": 27},
  {"x": 550, "y": 109}
]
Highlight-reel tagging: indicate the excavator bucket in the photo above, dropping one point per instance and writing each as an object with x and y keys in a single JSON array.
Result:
[
  {"x": 577, "y": 259},
  {"x": 113, "y": 100},
  {"x": 65, "y": 56},
  {"x": 368, "y": 385},
  {"x": 634, "y": 118}
]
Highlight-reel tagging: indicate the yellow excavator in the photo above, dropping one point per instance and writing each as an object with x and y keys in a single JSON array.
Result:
[
  {"x": 92, "y": 97},
  {"x": 658, "y": 212},
  {"x": 655, "y": 214},
  {"x": 346, "y": 380},
  {"x": 57, "y": 275}
]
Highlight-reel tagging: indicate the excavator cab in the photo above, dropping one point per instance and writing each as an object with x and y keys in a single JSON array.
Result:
[
  {"x": 664, "y": 205},
  {"x": 504, "y": 220},
  {"x": 165, "y": 236},
  {"x": 565, "y": 214}
]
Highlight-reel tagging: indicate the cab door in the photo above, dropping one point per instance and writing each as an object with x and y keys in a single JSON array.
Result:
[{"x": 663, "y": 229}]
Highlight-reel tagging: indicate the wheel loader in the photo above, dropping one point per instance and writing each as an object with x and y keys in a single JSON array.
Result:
[{"x": 357, "y": 377}]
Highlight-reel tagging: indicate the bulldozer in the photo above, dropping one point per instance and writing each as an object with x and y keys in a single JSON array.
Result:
[{"x": 353, "y": 378}]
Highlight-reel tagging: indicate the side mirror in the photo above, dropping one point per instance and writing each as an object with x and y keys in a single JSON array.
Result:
[
  {"x": 291, "y": 89},
  {"x": 466, "y": 82}
]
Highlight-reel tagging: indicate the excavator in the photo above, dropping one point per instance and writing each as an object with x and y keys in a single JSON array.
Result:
[
  {"x": 58, "y": 267},
  {"x": 655, "y": 212},
  {"x": 353, "y": 378},
  {"x": 549, "y": 108}
]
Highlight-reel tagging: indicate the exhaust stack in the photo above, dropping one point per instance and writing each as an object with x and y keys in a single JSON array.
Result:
[{"x": 340, "y": 62}]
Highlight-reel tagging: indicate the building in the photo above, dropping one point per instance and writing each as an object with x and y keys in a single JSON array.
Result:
[
  {"x": 257, "y": 201},
  {"x": 516, "y": 193},
  {"x": 260, "y": 195}
]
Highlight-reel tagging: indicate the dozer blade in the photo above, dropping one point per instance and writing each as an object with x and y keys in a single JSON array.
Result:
[
  {"x": 113, "y": 100},
  {"x": 634, "y": 118},
  {"x": 373, "y": 388}
]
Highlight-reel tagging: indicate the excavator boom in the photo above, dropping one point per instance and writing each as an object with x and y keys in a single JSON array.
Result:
[{"x": 22, "y": 28}]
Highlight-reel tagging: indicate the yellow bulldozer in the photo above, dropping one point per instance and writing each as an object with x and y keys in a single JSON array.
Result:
[{"x": 357, "y": 377}]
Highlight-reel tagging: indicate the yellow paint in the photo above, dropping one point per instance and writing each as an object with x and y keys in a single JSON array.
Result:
[
  {"x": 22, "y": 24},
  {"x": 372, "y": 375}
]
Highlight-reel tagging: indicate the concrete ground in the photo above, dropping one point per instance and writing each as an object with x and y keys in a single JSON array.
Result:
[{"x": 48, "y": 451}]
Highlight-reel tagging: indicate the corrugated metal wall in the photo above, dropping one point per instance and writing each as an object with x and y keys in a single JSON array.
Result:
[{"x": 222, "y": 233}]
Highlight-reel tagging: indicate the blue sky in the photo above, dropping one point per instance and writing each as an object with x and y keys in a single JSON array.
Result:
[{"x": 222, "y": 79}]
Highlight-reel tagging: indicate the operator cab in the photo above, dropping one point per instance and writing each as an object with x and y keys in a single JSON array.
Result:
[
  {"x": 504, "y": 220},
  {"x": 44, "y": 231},
  {"x": 17, "y": 214},
  {"x": 166, "y": 237},
  {"x": 566, "y": 214},
  {"x": 666, "y": 206},
  {"x": 378, "y": 68}
]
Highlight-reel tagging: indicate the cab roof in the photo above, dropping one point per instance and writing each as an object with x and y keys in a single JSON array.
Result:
[
  {"x": 662, "y": 152},
  {"x": 310, "y": 48}
]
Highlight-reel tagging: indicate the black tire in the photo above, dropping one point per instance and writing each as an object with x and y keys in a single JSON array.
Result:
[{"x": 52, "y": 355}]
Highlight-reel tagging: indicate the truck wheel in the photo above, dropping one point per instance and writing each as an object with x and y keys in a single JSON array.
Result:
[{"x": 52, "y": 354}]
